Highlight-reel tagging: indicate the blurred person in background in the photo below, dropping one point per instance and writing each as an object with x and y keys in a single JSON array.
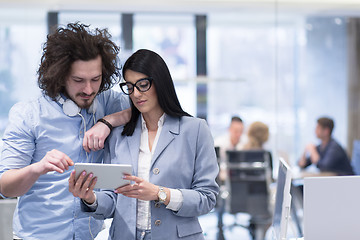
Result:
[
  {"x": 233, "y": 139},
  {"x": 328, "y": 156},
  {"x": 258, "y": 134}
]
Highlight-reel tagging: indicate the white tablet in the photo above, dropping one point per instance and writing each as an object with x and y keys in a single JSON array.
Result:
[{"x": 109, "y": 176}]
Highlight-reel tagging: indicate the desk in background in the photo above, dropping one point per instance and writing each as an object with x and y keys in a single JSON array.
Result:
[
  {"x": 7, "y": 207},
  {"x": 297, "y": 193}
]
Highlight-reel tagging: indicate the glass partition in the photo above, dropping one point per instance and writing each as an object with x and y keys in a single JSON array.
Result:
[
  {"x": 22, "y": 33},
  {"x": 173, "y": 37},
  {"x": 284, "y": 66},
  {"x": 280, "y": 67},
  {"x": 109, "y": 20},
  {"x": 285, "y": 71}
]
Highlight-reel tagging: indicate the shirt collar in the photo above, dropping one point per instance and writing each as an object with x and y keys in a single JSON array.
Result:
[{"x": 160, "y": 122}]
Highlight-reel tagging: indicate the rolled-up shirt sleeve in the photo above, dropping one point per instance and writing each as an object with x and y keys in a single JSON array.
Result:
[
  {"x": 176, "y": 200},
  {"x": 18, "y": 139},
  {"x": 93, "y": 206}
]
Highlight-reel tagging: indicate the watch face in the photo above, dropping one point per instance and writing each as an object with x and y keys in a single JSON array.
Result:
[{"x": 162, "y": 196}]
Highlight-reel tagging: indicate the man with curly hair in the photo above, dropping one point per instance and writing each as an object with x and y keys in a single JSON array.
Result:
[{"x": 46, "y": 136}]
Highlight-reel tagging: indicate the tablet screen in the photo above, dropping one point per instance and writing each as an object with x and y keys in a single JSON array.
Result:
[{"x": 109, "y": 176}]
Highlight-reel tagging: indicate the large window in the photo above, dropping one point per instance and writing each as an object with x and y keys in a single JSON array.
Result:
[
  {"x": 263, "y": 64},
  {"x": 286, "y": 72},
  {"x": 173, "y": 37},
  {"x": 111, "y": 21},
  {"x": 22, "y": 33}
]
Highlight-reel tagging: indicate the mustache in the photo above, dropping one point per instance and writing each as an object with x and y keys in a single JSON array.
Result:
[{"x": 85, "y": 95}]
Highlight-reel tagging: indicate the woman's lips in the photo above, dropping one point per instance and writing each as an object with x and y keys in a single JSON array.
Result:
[{"x": 141, "y": 102}]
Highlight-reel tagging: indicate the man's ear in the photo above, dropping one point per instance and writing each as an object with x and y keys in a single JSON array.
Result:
[{"x": 327, "y": 130}]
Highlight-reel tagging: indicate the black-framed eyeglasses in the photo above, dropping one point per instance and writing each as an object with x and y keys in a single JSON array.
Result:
[{"x": 142, "y": 85}]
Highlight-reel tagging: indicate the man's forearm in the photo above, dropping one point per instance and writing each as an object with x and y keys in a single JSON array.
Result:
[
  {"x": 16, "y": 182},
  {"x": 314, "y": 156},
  {"x": 302, "y": 162},
  {"x": 119, "y": 118}
]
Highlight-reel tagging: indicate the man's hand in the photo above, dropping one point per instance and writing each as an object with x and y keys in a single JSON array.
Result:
[
  {"x": 95, "y": 137},
  {"x": 16, "y": 182},
  {"x": 310, "y": 148},
  {"x": 54, "y": 160},
  {"x": 312, "y": 151}
]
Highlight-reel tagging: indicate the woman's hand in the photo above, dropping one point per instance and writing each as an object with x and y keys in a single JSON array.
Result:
[
  {"x": 140, "y": 189},
  {"x": 83, "y": 187}
]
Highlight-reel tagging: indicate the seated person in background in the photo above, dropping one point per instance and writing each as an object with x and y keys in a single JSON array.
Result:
[
  {"x": 258, "y": 134},
  {"x": 232, "y": 140},
  {"x": 329, "y": 156}
]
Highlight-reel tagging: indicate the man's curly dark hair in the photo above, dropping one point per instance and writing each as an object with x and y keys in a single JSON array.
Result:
[{"x": 76, "y": 42}]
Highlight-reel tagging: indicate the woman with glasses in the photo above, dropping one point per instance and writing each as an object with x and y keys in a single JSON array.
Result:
[{"x": 173, "y": 159}]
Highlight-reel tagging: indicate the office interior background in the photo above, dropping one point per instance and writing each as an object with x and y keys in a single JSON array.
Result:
[
  {"x": 284, "y": 63},
  {"x": 281, "y": 62}
]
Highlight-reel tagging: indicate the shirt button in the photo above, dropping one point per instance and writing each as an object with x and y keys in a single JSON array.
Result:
[
  {"x": 156, "y": 171},
  {"x": 157, "y": 223}
]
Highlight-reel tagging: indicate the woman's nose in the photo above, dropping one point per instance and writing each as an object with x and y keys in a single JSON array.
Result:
[{"x": 136, "y": 92}]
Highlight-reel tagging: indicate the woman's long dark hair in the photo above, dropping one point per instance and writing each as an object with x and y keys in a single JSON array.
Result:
[{"x": 152, "y": 65}]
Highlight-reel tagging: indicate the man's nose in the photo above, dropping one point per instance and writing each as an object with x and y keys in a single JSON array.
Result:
[{"x": 88, "y": 89}]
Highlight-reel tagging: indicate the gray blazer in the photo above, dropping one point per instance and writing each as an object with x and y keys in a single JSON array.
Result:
[{"x": 184, "y": 159}]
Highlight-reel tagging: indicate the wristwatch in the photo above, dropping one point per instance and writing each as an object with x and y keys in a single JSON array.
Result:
[{"x": 162, "y": 195}]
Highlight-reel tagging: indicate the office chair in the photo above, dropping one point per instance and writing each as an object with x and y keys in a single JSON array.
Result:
[
  {"x": 220, "y": 201},
  {"x": 250, "y": 175}
]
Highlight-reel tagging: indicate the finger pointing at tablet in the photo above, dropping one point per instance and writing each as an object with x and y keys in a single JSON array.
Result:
[
  {"x": 140, "y": 189},
  {"x": 54, "y": 160}
]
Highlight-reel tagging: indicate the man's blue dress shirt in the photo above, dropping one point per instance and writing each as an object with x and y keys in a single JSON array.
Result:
[
  {"x": 333, "y": 158},
  {"x": 48, "y": 210}
]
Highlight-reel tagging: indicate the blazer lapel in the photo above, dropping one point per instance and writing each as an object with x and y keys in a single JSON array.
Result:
[
  {"x": 170, "y": 128},
  {"x": 134, "y": 146}
]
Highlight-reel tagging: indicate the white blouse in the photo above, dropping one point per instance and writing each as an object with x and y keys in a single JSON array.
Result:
[{"x": 143, "y": 221}]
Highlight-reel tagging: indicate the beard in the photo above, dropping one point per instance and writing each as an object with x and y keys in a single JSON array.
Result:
[{"x": 85, "y": 103}]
